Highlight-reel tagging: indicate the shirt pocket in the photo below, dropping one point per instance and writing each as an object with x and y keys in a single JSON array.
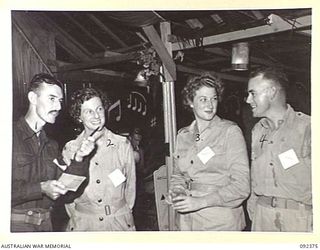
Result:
[
  {"x": 218, "y": 149},
  {"x": 23, "y": 166},
  {"x": 23, "y": 159},
  {"x": 180, "y": 154},
  {"x": 181, "y": 162},
  {"x": 51, "y": 168},
  {"x": 218, "y": 158},
  {"x": 294, "y": 143}
]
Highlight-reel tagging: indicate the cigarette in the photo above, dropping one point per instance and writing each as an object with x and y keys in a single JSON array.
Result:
[{"x": 94, "y": 131}]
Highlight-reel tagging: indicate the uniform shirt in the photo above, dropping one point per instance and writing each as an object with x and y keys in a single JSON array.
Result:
[
  {"x": 226, "y": 171},
  {"x": 113, "y": 153},
  {"x": 269, "y": 176},
  {"x": 32, "y": 163}
]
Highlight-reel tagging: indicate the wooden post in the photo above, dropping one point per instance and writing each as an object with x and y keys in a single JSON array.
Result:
[
  {"x": 168, "y": 70},
  {"x": 169, "y": 110}
]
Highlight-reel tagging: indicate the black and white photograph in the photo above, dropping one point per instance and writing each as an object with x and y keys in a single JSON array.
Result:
[{"x": 160, "y": 121}]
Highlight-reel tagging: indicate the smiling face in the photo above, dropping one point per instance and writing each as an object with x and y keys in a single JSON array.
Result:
[
  {"x": 92, "y": 114},
  {"x": 47, "y": 102},
  {"x": 205, "y": 103},
  {"x": 258, "y": 96}
]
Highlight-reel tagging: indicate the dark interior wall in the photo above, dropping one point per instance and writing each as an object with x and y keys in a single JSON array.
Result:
[{"x": 31, "y": 48}]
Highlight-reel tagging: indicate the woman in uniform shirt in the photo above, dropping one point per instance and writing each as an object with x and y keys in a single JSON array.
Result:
[
  {"x": 210, "y": 179},
  {"x": 107, "y": 201}
]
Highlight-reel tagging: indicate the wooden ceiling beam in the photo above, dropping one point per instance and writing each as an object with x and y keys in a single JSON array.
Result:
[
  {"x": 163, "y": 53},
  {"x": 257, "y": 14},
  {"x": 197, "y": 71},
  {"x": 87, "y": 76},
  {"x": 107, "y": 72},
  {"x": 107, "y": 30},
  {"x": 255, "y": 60},
  {"x": 75, "y": 22},
  {"x": 276, "y": 24},
  {"x": 213, "y": 60},
  {"x": 99, "y": 62},
  {"x": 64, "y": 38}
]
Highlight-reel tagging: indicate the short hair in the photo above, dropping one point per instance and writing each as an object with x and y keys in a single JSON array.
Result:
[
  {"x": 276, "y": 75},
  {"x": 196, "y": 82},
  {"x": 82, "y": 95},
  {"x": 40, "y": 78}
]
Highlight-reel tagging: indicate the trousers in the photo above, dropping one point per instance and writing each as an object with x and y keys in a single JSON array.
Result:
[{"x": 276, "y": 219}]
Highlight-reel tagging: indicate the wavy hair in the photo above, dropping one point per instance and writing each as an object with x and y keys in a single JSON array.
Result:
[
  {"x": 196, "y": 82},
  {"x": 82, "y": 95}
]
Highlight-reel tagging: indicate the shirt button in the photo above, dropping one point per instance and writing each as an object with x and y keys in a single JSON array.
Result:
[
  {"x": 100, "y": 200},
  {"x": 271, "y": 142},
  {"x": 271, "y": 164},
  {"x": 96, "y": 163},
  {"x": 100, "y": 218},
  {"x": 98, "y": 181},
  {"x": 191, "y": 161}
]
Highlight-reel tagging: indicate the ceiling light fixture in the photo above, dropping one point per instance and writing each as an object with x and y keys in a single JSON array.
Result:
[{"x": 240, "y": 56}]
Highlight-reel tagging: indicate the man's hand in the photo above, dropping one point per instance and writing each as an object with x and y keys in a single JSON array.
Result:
[
  {"x": 85, "y": 149},
  {"x": 53, "y": 189}
]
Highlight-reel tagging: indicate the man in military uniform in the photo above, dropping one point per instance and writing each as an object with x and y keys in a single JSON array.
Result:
[
  {"x": 281, "y": 197},
  {"x": 37, "y": 162}
]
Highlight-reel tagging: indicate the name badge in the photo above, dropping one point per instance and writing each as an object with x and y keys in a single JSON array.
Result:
[
  {"x": 205, "y": 154},
  {"x": 117, "y": 177},
  {"x": 288, "y": 159}
]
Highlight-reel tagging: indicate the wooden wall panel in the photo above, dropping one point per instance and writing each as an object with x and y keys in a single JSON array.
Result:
[{"x": 32, "y": 47}]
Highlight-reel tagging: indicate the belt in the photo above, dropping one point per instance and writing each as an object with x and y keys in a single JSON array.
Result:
[
  {"x": 277, "y": 202},
  {"x": 103, "y": 209},
  {"x": 30, "y": 216}
]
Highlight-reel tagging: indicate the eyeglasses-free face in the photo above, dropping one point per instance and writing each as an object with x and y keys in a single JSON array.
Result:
[
  {"x": 205, "y": 103},
  {"x": 258, "y": 96},
  {"x": 92, "y": 114}
]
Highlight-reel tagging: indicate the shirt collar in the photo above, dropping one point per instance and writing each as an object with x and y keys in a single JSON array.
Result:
[
  {"x": 28, "y": 133},
  {"x": 287, "y": 118},
  {"x": 193, "y": 128}
]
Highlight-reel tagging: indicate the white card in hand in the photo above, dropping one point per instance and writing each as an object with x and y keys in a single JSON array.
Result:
[
  {"x": 117, "y": 177},
  {"x": 205, "y": 154},
  {"x": 288, "y": 159},
  {"x": 72, "y": 182}
]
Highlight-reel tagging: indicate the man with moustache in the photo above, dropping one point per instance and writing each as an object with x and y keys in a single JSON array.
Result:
[
  {"x": 36, "y": 160},
  {"x": 281, "y": 197}
]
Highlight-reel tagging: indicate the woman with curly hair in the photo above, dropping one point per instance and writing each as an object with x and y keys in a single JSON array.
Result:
[
  {"x": 210, "y": 178},
  {"x": 107, "y": 201}
]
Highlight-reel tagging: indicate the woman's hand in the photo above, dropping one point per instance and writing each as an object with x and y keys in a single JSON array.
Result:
[
  {"x": 85, "y": 149},
  {"x": 186, "y": 203}
]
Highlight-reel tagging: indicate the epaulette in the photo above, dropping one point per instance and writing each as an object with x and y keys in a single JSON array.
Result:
[
  {"x": 121, "y": 138},
  {"x": 183, "y": 130}
]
